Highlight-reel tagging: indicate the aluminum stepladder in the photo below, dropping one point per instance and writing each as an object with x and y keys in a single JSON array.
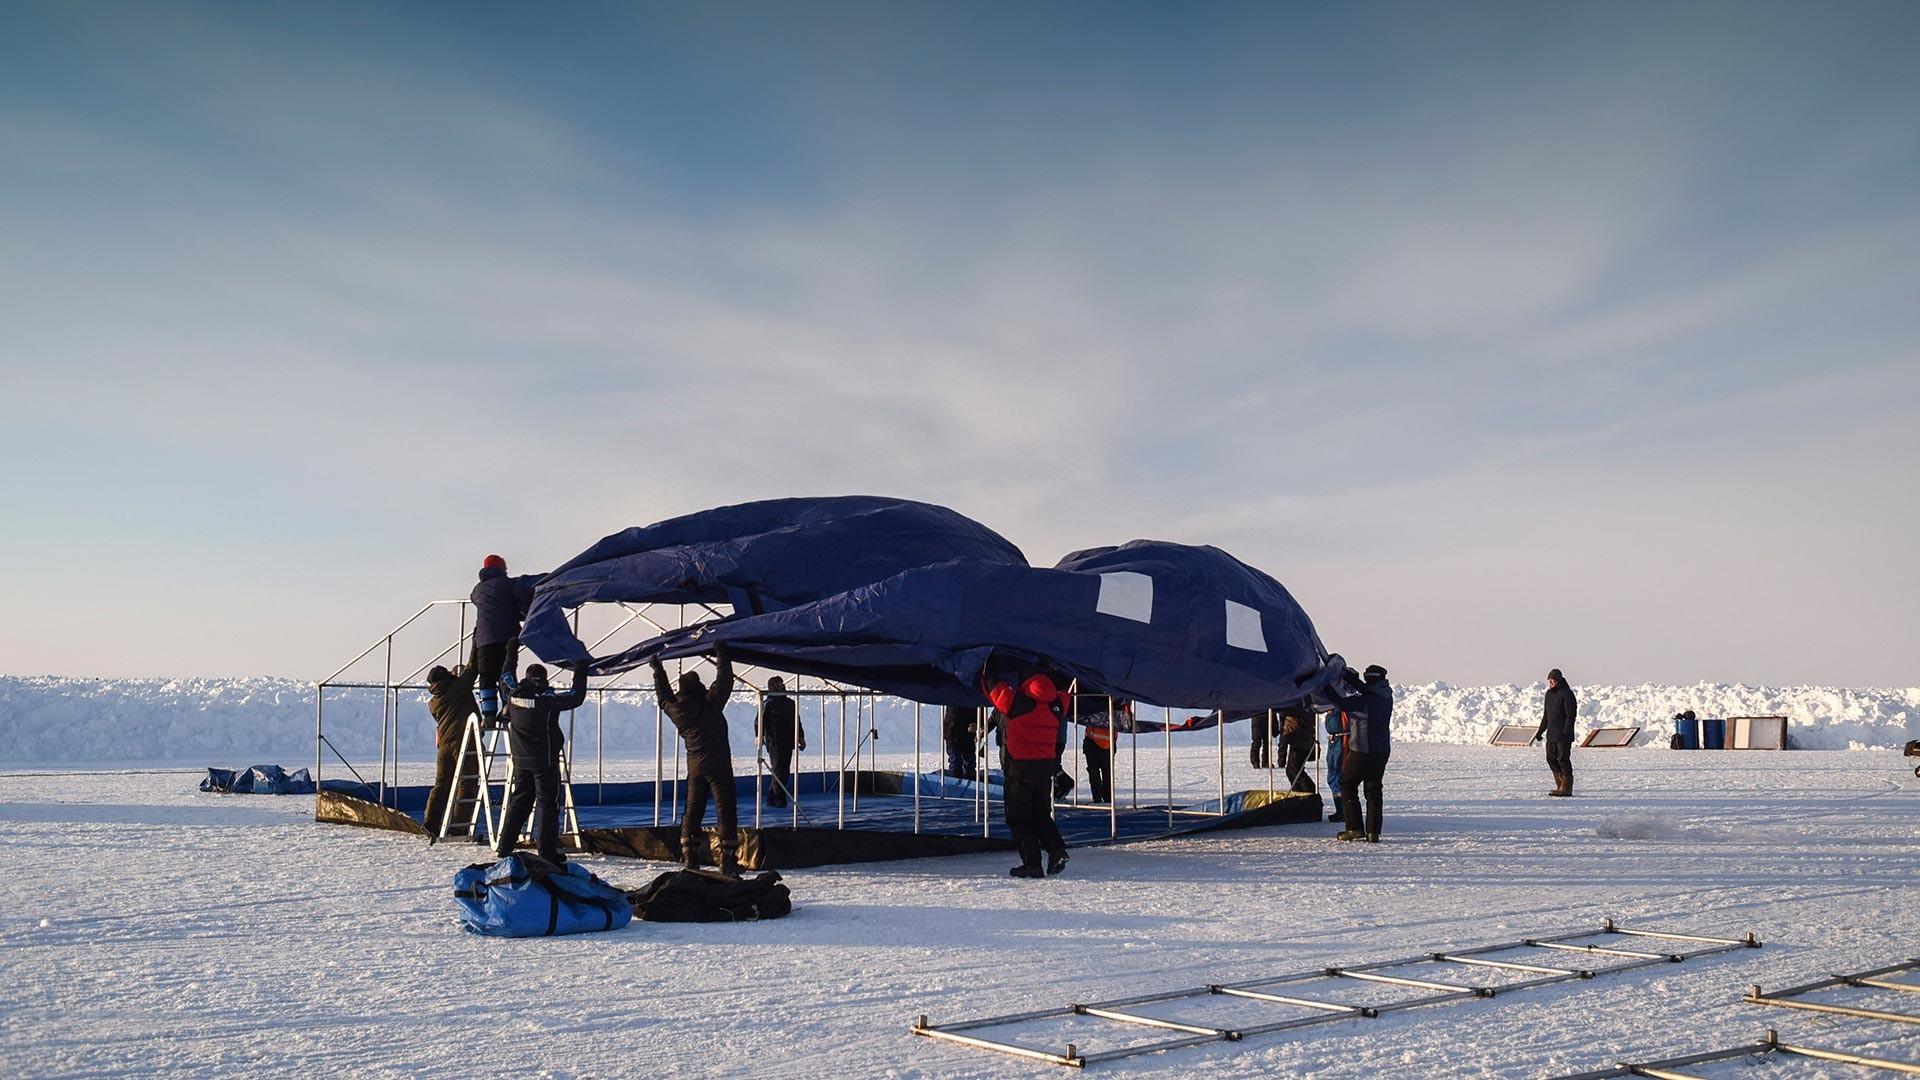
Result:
[{"x": 491, "y": 744}]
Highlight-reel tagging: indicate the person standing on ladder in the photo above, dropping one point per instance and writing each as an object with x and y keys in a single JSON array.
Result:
[
  {"x": 700, "y": 715},
  {"x": 1369, "y": 742},
  {"x": 451, "y": 703},
  {"x": 533, "y": 733},
  {"x": 780, "y": 735},
  {"x": 499, "y": 607},
  {"x": 1035, "y": 728},
  {"x": 1556, "y": 727}
]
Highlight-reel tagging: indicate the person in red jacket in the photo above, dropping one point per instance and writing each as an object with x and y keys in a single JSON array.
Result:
[{"x": 1034, "y": 709}]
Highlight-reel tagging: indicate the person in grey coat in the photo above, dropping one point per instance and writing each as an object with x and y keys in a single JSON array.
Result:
[{"x": 1556, "y": 727}]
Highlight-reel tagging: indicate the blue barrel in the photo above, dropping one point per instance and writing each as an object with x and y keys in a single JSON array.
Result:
[
  {"x": 1689, "y": 733},
  {"x": 1713, "y": 734}
]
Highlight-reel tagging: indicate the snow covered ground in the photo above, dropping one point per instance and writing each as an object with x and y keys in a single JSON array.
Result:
[{"x": 152, "y": 928}]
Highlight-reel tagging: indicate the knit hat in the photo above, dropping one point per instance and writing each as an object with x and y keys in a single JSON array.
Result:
[
  {"x": 536, "y": 673},
  {"x": 493, "y": 562},
  {"x": 1375, "y": 671},
  {"x": 1556, "y": 676}
]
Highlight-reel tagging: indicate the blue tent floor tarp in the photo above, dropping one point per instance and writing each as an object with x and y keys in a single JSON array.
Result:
[{"x": 619, "y": 819}]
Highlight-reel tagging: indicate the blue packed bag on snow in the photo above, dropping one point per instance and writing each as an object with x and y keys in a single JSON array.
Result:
[
  {"x": 527, "y": 896},
  {"x": 258, "y": 780}
]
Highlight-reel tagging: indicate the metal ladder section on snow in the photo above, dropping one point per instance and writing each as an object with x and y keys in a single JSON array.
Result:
[
  {"x": 1668, "y": 1068},
  {"x": 1328, "y": 1011},
  {"x": 490, "y": 743}
]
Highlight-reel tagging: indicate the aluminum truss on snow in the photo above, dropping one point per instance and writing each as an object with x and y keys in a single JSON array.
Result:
[
  {"x": 1863, "y": 979},
  {"x": 1123, "y": 1010},
  {"x": 1668, "y": 1068}
]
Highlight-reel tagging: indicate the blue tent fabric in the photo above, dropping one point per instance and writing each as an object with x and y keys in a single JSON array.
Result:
[
  {"x": 526, "y": 896},
  {"x": 758, "y": 557},
  {"x": 1163, "y": 623},
  {"x": 258, "y": 780}
]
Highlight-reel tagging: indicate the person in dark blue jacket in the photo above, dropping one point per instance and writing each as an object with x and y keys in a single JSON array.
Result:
[
  {"x": 499, "y": 607},
  {"x": 534, "y": 735},
  {"x": 700, "y": 715},
  {"x": 1556, "y": 727},
  {"x": 1369, "y": 741}
]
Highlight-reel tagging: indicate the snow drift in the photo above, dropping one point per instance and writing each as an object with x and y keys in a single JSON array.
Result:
[{"x": 237, "y": 722}]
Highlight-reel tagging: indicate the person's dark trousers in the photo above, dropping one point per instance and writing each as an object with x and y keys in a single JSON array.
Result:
[
  {"x": 960, "y": 760},
  {"x": 725, "y": 808},
  {"x": 1361, "y": 770},
  {"x": 1260, "y": 756},
  {"x": 494, "y": 659},
  {"x": 1099, "y": 770},
  {"x": 444, "y": 760},
  {"x": 780, "y": 757},
  {"x": 538, "y": 791},
  {"x": 1029, "y": 809},
  {"x": 1560, "y": 760},
  {"x": 1297, "y": 751}
]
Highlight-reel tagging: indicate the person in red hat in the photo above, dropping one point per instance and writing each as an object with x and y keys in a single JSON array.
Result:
[{"x": 500, "y": 605}]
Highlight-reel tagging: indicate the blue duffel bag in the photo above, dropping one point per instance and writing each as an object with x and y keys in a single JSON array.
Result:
[{"x": 527, "y": 896}]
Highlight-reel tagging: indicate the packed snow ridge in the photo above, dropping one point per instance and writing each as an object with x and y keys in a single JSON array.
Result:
[{"x": 243, "y": 720}]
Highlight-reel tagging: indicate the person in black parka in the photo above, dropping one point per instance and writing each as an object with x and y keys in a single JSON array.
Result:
[
  {"x": 960, "y": 728},
  {"x": 499, "y": 607},
  {"x": 700, "y": 715},
  {"x": 1260, "y": 755},
  {"x": 1296, "y": 743},
  {"x": 1556, "y": 727},
  {"x": 451, "y": 703},
  {"x": 1369, "y": 742},
  {"x": 533, "y": 733},
  {"x": 780, "y": 734}
]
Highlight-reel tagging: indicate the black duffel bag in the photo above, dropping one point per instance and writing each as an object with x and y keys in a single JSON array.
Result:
[{"x": 704, "y": 896}]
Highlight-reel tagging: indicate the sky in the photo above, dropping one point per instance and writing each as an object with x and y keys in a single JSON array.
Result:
[{"x": 1507, "y": 336}]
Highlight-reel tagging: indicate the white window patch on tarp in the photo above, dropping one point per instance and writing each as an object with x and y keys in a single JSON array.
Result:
[
  {"x": 1243, "y": 628},
  {"x": 1127, "y": 595}
]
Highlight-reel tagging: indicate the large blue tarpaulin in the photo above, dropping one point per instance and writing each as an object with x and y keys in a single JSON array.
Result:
[
  {"x": 1168, "y": 624},
  {"x": 755, "y": 557}
]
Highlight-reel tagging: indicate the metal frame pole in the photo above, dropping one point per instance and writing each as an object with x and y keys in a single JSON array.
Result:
[
  {"x": 916, "y": 768},
  {"x": 319, "y": 741},
  {"x": 1270, "y": 752},
  {"x": 600, "y": 746},
  {"x": 759, "y": 731},
  {"x": 1167, "y": 729},
  {"x": 385, "y": 701},
  {"x": 1221, "y": 716},
  {"x": 840, "y": 785},
  {"x": 658, "y": 762}
]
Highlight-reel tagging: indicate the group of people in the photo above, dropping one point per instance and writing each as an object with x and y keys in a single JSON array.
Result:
[
  {"x": 536, "y": 741},
  {"x": 1032, "y": 710}
]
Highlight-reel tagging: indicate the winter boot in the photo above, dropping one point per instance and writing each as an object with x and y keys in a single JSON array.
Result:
[
  {"x": 489, "y": 705},
  {"x": 692, "y": 855},
  {"x": 1336, "y": 815},
  {"x": 729, "y": 863},
  {"x": 1056, "y": 863},
  {"x": 1373, "y": 838},
  {"x": 1026, "y": 871},
  {"x": 1350, "y": 835}
]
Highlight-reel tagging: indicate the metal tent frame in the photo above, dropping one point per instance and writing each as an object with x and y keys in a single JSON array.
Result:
[
  {"x": 1668, "y": 1068},
  {"x": 1861, "y": 979},
  {"x": 668, "y": 776},
  {"x": 1118, "y": 1010}
]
